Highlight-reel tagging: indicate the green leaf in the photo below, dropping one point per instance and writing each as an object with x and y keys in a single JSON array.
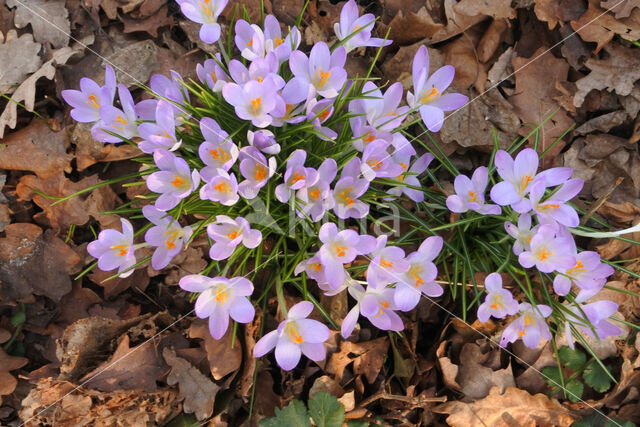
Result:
[
  {"x": 596, "y": 377},
  {"x": 184, "y": 420},
  {"x": 574, "y": 390},
  {"x": 325, "y": 410},
  {"x": 572, "y": 359},
  {"x": 294, "y": 415},
  {"x": 552, "y": 376},
  {"x": 358, "y": 423}
]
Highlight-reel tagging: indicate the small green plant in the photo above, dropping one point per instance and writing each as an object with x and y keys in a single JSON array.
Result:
[{"x": 574, "y": 372}]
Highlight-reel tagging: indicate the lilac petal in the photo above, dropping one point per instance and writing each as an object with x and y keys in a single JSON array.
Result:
[
  {"x": 210, "y": 33},
  {"x": 441, "y": 79},
  {"x": 455, "y": 204},
  {"x": 493, "y": 282},
  {"x": 312, "y": 330},
  {"x": 369, "y": 305},
  {"x": 504, "y": 164},
  {"x": 420, "y": 61},
  {"x": 287, "y": 354},
  {"x": 205, "y": 304},
  {"x": 109, "y": 261},
  {"x": 504, "y": 194},
  {"x": 300, "y": 310},
  {"x": 561, "y": 285},
  {"x": 195, "y": 283},
  {"x": 483, "y": 312},
  {"x": 265, "y": 344},
  {"x": 527, "y": 259},
  {"x": 432, "y": 117},
  {"x": 314, "y": 351},
  {"x": 218, "y": 322},
  {"x": 526, "y": 163},
  {"x": 531, "y": 338},
  {"x": 349, "y": 322},
  {"x": 241, "y": 286},
  {"x": 569, "y": 190},
  {"x": 555, "y": 176},
  {"x": 242, "y": 311},
  {"x": 405, "y": 298},
  {"x": 450, "y": 101}
]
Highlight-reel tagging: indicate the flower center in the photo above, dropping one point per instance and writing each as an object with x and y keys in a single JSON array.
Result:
[
  {"x": 340, "y": 250},
  {"x": 375, "y": 164},
  {"x": 345, "y": 197},
  {"x": 473, "y": 196},
  {"x": 261, "y": 172},
  {"x": 178, "y": 181},
  {"x": 496, "y": 302},
  {"x": 315, "y": 194},
  {"x": 544, "y": 254},
  {"x": 297, "y": 176},
  {"x": 431, "y": 95},
  {"x": 221, "y": 296},
  {"x": 386, "y": 264},
  {"x": 170, "y": 242},
  {"x": 122, "y": 249},
  {"x": 277, "y": 41},
  {"x": 119, "y": 119},
  {"x": 579, "y": 268},
  {"x": 293, "y": 334},
  {"x": 94, "y": 101},
  {"x": 214, "y": 77},
  {"x": 207, "y": 7},
  {"x": 413, "y": 272},
  {"x": 256, "y": 103},
  {"x": 233, "y": 235},
  {"x": 250, "y": 42},
  {"x": 222, "y": 187},
  {"x": 524, "y": 182},
  {"x": 548, "y": 206},
  {"x": 321, "y": 78},
  {"x": 219, "y": 154},
  {"x": 369, "y": 137},
  {"x": 316, "y": 266},
  {"x": 323, "y": 116}
]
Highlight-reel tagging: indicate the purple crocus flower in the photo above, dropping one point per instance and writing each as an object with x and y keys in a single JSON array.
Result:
[
  {"x": 317, "y": 198},
  {"x": 115, "y": 249},
  {"x": 470, "y": 194},
  {"x": 227, "y": 233},
  {"x": 410, "y": 177},
  {"x": 378, "y": 163},
  {"x": 221, "y": 187},
  {"x": 204, "y": 12},
  {"x": 174, "y": 181},
  {"x": 548, "y": 252},
  {"x": 87, "y": 101},
  {"x": 499, "y": 302},
  {"x": 350, "y": 22},
  {"x": 293, "y": 100},
  {"x": 588, "y": 274},
  {"x": 167, "y": 235},
  {"x": 219, "y": 299},
  {"x": 319, "y": 112},
  {"x": 522, "y": 233},
  {"x": 339, "y": 248},
  {"x": 429, "y": 96},
  {"x": 348, "y": 190},
  {"x": 364, "y": 134},
  {"x": 171, "y": 89},
  {"x": 378, "y": 110},
  {"x": 519, "y": 175},
  {"x": 420, "y": 277},
  {"x": 212, "y": 74},
  {"x": 253, "y": 101},
  {"x": 596, "y": 314},
  {"x": 313, "y": 267},
  {"x": 377, "y": 305},
  {"x": 296, "y": 176},
  {"x": 217, "y": 151},
  {"x": 556, "y": 209},
  {"x": 264, "y": 141},
  {"x": 387, "y": 264},
  {"x": 160, "y": 135},
  {"x": 323, "y": 72},
  {"x": 256, "y": 170},
  {"x": 260, "y": 70},
  {"x": 117, "y": 121},
  {"x": 249, "y": 40},
  {"x": 295, "y": 336},
  {"x": 530, "y": 326},
  {"x": 254, "y": 43}
]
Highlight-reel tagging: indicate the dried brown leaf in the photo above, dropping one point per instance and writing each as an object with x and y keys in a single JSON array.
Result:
[
  {"x": 622, "y": 9},
  {"x": 198, "y": 391},
  {"x": 498, "y": 9},
  {"x": 9, "y": 363},
  {"x": 513, "y": 407},
  {"x": 223, "y": 359},
  {"x": 56, "y": 29},
  {"x": 367, "y": 358},
  {"x": 89, "y": 151},
  {"x": 15, "y": 68}
]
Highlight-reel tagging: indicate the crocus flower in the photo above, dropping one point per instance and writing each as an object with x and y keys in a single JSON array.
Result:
[
  {"x": 314, "y": 269},
  {"x": 596, "y": 315},
  {"x": 470, "y": 194},
  {"x": 348, "y": 190},
  {"x": 378, "y": 110},
  {"x": 115, "y": 249},
  {"x": 217, "y": 151},
  {"x": 227, "y": 233},
  {"x": 318, "y": 198},
  {"x": 548, "y": 252},
  {"x": 296, "y": 335},
  {"x": 161, "y": 134},
  {"x": 260, "y": 70},
  {"x": 387, "y": 264},
  {"x": 350, "y": 22},
  {"x": 519, "y": 175},
  {"x": 339, "y": 248},
  {"x": 499, "y": 302},
  {"x": 171, "y": 89},
  {"x": 222, "y": 187},
  {"x": 87, "y": 101},
  {"x": 254, "y": 43},
  {"x": 364, "y": 134},
  {"x": 319, "y": 112},
  {"x": 556, "y": 209},
  {"x": 264, "y": 141},
  {"x": 253, "y": 101},
  {"x": 219, "y": 299},
  {"x": 117, "y": 121},
  {"x": 256, "y": 170},
  {"x": 296, "y": 176},
  {"x": 166, "y": 234},
  {"x": 522, "y": 233},
  {"x": 377, "y": 305},
  {"x": 420, "y": 277},
  {"x": 204, "y": 12},
  {"x": 429, "y": 96},
  {"x": 174, "y": 181},
  {"x": 378, "y": 163},
  {"x": 212, "y": 74},
  {"x": 293, "y": 99},
  {"x": 323, "y": 72},
  {"x": 588, "y": 274},
  {"x": 530, "y": 326},
  {"x": 409, "y": 178}
]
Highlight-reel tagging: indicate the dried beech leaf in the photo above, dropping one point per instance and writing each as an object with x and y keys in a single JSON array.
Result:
[
  {"x": 367, "y": 358},
  {"x": 513, "y": 407},
  {"x": 15, "y": 68},
  {"x": 545, "y": 11},
  {"x": 198, "y": 391},
  {"x": 55, "y": 29},
  {"x": 9, "y": 363},
  {"x": 498, "y": 9},
  {"x": 475, "y": 378},
  {"x": 223, "y": 359},
  {"x": 621, "y": 9}
]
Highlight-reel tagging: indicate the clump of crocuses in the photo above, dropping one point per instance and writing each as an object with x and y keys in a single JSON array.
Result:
[{"x": 274, "y": 158}]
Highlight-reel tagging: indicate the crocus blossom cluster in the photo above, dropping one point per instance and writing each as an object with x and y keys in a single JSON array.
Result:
[{"x": 281, "y": 140}]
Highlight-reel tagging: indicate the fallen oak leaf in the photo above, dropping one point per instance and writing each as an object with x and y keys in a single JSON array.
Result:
[
  {"x": 9, "y": 363},
  {"x": 367, "y": 358},
  {"x": 513, "y": 407},
  {"x": 223, "y": 359},
  {"x": 622, "y": 9},
  {"x": 198, "y": 391},
  {"x": 55, "y": 29},
  {"x": 15, "y": 68},
  {"x": 498, "y": 9}
]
